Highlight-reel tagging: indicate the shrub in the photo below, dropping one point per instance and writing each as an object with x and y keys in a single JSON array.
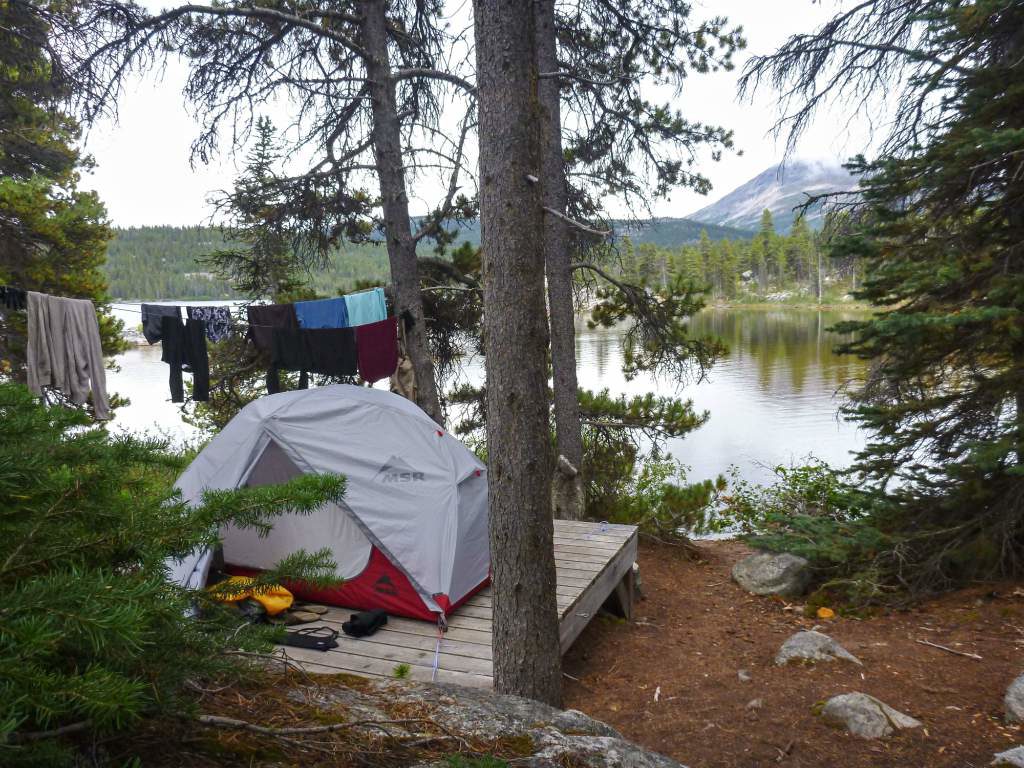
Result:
[
  {"x": 652, "y": 493},
  {"x": 813, "y": 511}
]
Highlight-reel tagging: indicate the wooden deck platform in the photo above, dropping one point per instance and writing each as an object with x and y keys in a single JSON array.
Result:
[{"x": 594, "y": 563}]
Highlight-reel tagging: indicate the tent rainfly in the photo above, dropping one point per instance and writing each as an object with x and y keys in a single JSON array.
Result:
[{"x": 410, "y": 536}]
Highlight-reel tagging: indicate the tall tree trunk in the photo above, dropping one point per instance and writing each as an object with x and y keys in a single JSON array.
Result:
[
  {"x": 819, "y": 276},
  {"x": 387, "y": 149},
  {"x": 527, "y": 658},
  {"x": 567, "y": 482}
]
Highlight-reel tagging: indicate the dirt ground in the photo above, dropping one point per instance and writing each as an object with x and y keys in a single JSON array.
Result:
[{"x": 670, "y": 680}]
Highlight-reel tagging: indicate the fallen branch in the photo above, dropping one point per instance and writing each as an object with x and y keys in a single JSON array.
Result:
[
  {"x": 950, "y": 650},
  {"x": 64, "y": 730}
]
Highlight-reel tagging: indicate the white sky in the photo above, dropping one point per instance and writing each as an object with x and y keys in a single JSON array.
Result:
[{"x": 143, "y": 173}]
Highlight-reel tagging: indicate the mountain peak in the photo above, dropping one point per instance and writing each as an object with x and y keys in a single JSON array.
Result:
[{"x": 780, "y": 189}]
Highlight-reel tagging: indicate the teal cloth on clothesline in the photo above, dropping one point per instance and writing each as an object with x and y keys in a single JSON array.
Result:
[{"x": 366, "y": 307}]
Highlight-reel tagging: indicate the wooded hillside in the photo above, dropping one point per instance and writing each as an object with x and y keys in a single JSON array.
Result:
[{"x": 161, "y": 263}]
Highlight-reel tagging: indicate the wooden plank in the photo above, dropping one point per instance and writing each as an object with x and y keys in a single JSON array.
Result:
[
  {"x": 469, "y": 622},
  {"x": 479, "y": 612},
  {"x": 583, "y": 526},
  {"x": 574, "y": 560},
  {"x": 592, "y": 537},
  {"x": 592, "y": 530},
  {"x": 602, "y": 542},
  {"x": 582, "y": 548},
  {"x": 576, "y": 620},
  {"x": 574, "y": 578},
  {"x": 626, "y": 530},
  {"x": 578, "y": 560},
  {"x": 473, "y": 606},
  {"x": 571, "y": 560},
  {"x": 367, "y": 667},
  {"x": 562, "y": 597},
  {"x": 397, "y": 654},
  {"x": 365, "y": 646},
  {"x": 581, "y": 555},
  {"x": 427, "y": 629}
]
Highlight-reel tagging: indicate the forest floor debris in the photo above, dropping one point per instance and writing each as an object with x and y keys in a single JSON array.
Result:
[{"x": 691, "y": 638}]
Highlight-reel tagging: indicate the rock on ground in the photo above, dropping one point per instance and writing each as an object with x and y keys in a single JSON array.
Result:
[
  {"x": 558, "y": 737},
  {"x": 812, "y": 646},
  {"x": 865, "y": 716},
  {"x": 1014, "y": 701},
  {"x": 768, "y": 573},
  {"x": 1011, "y": 757}
]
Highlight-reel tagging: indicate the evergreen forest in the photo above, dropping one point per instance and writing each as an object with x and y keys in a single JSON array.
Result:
[
  {"x": 163, "y": 263},
  {"x": 166, "y": 263}
]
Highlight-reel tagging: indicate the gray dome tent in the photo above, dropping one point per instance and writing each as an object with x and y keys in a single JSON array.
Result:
[{"x": 411, "y": 533}]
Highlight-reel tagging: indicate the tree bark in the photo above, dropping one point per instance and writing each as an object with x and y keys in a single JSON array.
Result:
[
  {"x": 567, "y": 485},
  {"x": 527, "y": 658},
  {"x": 386, "y": 134}
]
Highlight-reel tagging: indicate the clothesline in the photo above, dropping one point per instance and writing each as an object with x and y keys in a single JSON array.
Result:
[
  {"x": 233, "y": 324},
  {"x": 340, "y": 337}
]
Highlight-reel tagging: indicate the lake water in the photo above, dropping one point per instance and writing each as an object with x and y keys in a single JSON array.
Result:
[{"x": 772, "y": 399}]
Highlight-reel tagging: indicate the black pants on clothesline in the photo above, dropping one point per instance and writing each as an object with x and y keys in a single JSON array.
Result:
[{"x": 184, "y": 345}]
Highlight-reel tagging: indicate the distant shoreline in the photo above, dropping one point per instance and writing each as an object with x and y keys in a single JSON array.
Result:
[{"x": 853, "y": 306}]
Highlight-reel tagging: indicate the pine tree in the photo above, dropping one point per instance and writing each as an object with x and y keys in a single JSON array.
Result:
[
  {"x": 756, "y": 260},
  {"x": 939, "y": 235},
  {"x": 941, "y": 249},
  {"x": 774, "y": 253},
  {"x": 728, "y": 269},
  {"x": 53, "y": 236},
  {"x": 706, "y": 258},
  {"x": 630, "y": 266},
  {"x": 691, "y": 269},
  {"x": 269, "y": 261},
  {"x": 93, "y": 639},
  {"x": 527, "y": 659},
  {"x": 649, "y": 265},
  {"x": 801, "y": 252}
]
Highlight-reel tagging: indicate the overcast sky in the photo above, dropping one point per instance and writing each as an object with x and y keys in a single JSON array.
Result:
[{"x": 144, "y": 176}]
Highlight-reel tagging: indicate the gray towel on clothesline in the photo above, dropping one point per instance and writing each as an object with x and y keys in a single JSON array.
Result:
[{"x": 64, "y": 350}]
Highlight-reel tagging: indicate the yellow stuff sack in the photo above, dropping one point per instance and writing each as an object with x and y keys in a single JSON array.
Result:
[{"x": 275, "y": 599}]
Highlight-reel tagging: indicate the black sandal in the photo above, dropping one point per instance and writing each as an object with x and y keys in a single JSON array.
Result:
[{"x": 314, "y": 638}]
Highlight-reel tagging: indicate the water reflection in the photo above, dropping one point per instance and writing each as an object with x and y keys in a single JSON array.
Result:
[
  {"x": 773, "y": 399},
  {"x": 783, "y": 342}
]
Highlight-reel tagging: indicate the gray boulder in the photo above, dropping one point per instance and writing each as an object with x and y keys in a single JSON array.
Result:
[
  {"x": 558, "y": 737},
  {"x": 865, "y": 716},
  {"x": 812, "y": 646},
  {"x": 767, "y": 573},
  {"x": 1014, "y": 701},
  {"x": 555, "y": 748},
  {"x": 1011, "y": 757}
]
